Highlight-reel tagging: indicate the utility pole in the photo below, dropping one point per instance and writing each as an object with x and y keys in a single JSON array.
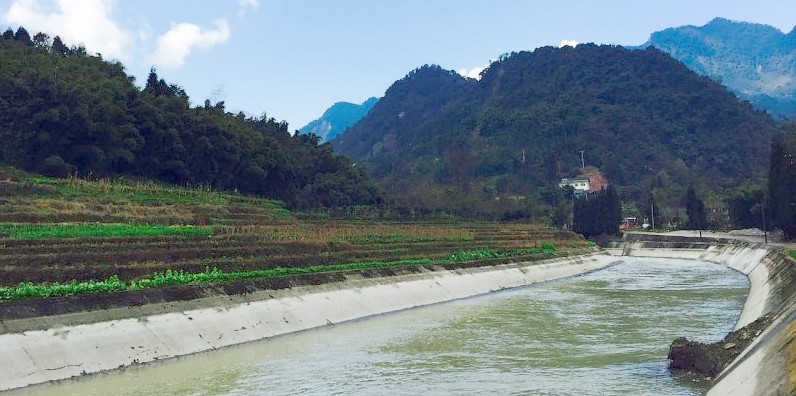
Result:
[
  {"x": 763, "y": 211},
  {"x": 582, "y": 160},
  {"x": 652, "y": 214}
]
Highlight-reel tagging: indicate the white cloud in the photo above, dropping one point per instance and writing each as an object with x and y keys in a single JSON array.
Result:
[
  {"x": 86, "y": 22},
  {"x": 571, "y": 43},
  {"x": 177, "y": 43},
  {"x": 245, "y": 6},
  {"x": 474, "y": 72}
]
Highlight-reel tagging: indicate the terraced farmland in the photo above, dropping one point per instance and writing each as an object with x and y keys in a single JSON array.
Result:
[
  {"x": 236, "y": 249},
  {"x": 70, "y": 244}
]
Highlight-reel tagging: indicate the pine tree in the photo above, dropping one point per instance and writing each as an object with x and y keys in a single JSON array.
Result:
[
  {"x": 600, "y": 214},
  {"x": 695, "y": 209},
  {"x": 782, "y": 182},
  {"x": 59, "y": 47},
  {"x": 23, "y": 36},
  {"x": 613, "y": 210},
  {"x": 152, "y": 83}
]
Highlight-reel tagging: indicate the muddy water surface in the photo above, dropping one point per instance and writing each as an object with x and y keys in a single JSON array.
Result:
[{"x": 605, "y": 333}]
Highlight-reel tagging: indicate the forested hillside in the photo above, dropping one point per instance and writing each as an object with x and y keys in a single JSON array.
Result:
[
  {"x": 501, "y": 144},
  {"x": 64, "y": 112},
  {"x": 757, "y": 62}
]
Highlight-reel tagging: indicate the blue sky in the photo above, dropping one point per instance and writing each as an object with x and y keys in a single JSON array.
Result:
[{"x": 293, "y": 59}]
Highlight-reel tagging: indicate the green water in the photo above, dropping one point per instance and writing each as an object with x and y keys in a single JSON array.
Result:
[{"x": 605, "y": 333}]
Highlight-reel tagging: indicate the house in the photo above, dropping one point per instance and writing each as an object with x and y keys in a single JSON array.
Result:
[
  {"x": 580, "y": 185},
  {"x": 630, "y": 223}
]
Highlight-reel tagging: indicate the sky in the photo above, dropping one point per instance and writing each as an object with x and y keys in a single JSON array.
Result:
[{"x": 293, "y": 59}]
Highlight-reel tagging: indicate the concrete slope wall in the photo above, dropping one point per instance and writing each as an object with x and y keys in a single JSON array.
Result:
[
  {"x": 37, "y": 356},
  {"x": 768, "y": 366}
]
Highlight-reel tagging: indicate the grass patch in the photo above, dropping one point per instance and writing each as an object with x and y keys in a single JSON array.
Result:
[
  {"x": 132, "y": 192},
  {"x": 169, "y": 278},
  {"x": 121, "y": 190},
  {"x": 488, "y": 254},
  {"x": 792, "y": 254},
  {"x": 50, "y": 231}
]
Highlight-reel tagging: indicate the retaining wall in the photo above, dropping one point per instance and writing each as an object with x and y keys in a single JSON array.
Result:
[
  {"x": 90, "y": 343},
  {"x": 768, "y": 365}
]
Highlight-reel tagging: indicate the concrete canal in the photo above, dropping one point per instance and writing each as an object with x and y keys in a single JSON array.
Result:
[{"x": 604, "y": 333}]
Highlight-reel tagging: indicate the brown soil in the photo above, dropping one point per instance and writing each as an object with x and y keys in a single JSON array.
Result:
[
  {"x": 62, "y": 260},
  {"x": 597, "y": 181}
]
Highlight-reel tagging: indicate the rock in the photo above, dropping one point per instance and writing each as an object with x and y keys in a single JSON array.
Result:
[
  {"x": 707, "y": 360},
  {"x": 692, "y": 357}
]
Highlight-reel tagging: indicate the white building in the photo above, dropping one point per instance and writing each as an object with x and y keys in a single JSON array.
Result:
[{"x": 578, "y": 184}]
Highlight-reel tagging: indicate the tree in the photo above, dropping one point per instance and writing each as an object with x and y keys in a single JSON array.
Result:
[
  {"x": 746, "y": 208},
  {"x": 153, "y": 85},
  {"x": 653, "y": 211},
  {"x": 23, "y": 36},
  {"x": 695, "y": 210},
  {"x": 782, "y": 182},
  {"x": 599, "y": 214},
  {"x": 63, "y": 111},
  {"x": 41, "y": 40},
  {"x": 59, "y": 47}
]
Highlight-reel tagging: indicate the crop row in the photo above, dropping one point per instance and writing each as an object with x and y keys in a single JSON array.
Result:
[
  {"x": 291, "y": 232},
  {"x": 178, "y": 277},
  {"x": 148, "y": 215},
  {"x": 52, "y": 231},
  {"x": 149, "y": 248},
  {"x": 281, "y": 233},
  {"x": 142, "y": 269},
  {"x": 177, "y": 252},
  {"x": 96, "y": 268},
  {"x": 31, "y": 257}
]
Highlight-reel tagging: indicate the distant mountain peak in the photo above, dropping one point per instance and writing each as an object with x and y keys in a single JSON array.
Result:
[
  {"x": 722, "y": 22},
  {"x": 755, "y": 61},
  {"x": 337, "y": 118}
]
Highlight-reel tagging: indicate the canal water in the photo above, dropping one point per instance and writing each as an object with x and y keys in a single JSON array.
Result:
[{"x": 604, "y": 333}]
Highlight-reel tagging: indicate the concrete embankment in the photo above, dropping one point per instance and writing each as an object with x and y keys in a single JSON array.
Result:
[
  {"x": 768, "y": 365},
  {"x": 91, "y": 343}
]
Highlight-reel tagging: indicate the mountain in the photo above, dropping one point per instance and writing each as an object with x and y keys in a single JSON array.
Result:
[
  {"x": 64, "y": 112},
  {"x": 338, "y": 118},
  {"x": 757, "y": 62},
  {"x": 445, "y": 142}
]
